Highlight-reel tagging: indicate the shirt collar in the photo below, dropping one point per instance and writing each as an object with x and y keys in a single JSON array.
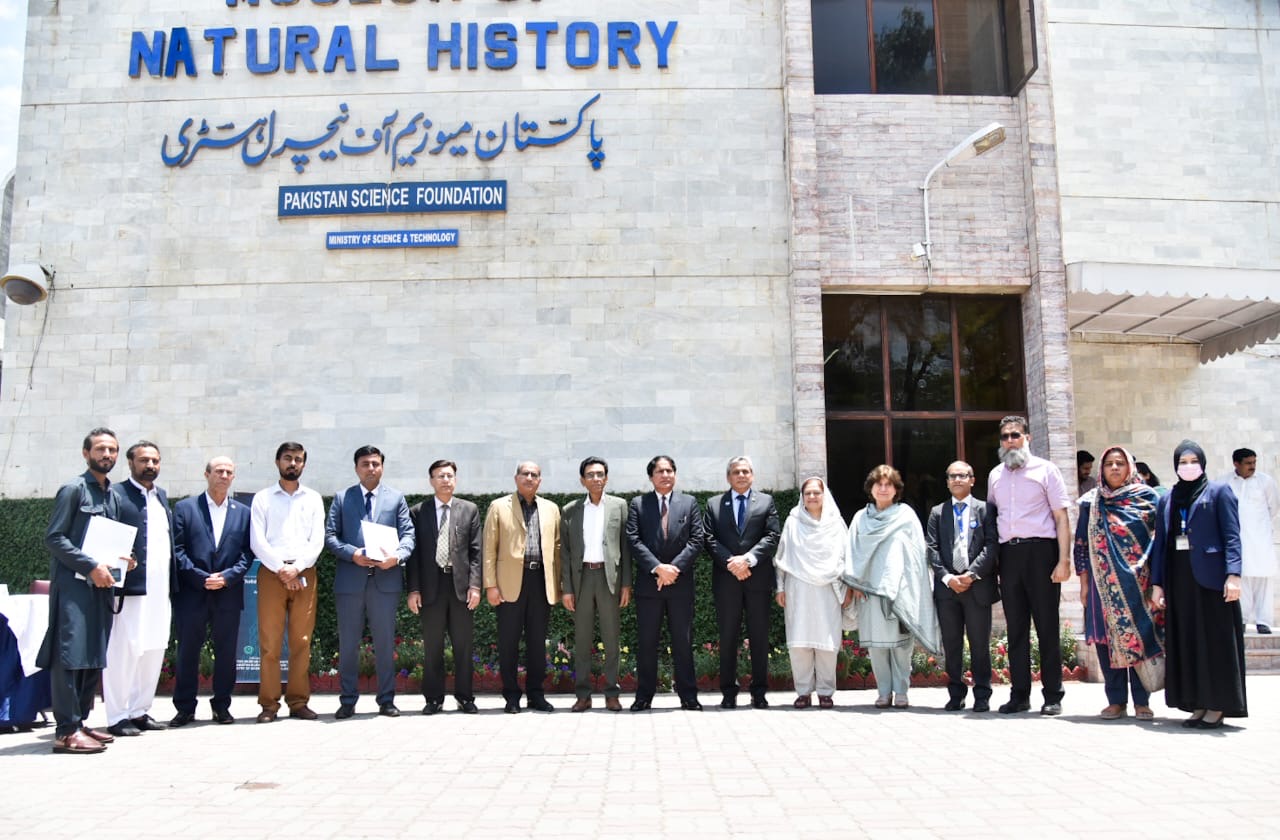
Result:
[
  {"x": 144, "y": 491},
  {"x": 226, "y": 503}
]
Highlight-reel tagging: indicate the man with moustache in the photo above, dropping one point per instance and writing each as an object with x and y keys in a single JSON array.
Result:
[
  {"x": 664, "y": 529},
  {"x": 74, "y": 650},
  {"x": 211, "y": 537},
  {"x": 522, "y": 578},
  {"x": 367, "y": 582},
  {"x": 742, "y": 533},
  {"x": 1259, "y": 502},
  {"x": 596, "y": 578},
  {"x": 1031, "y": 502},
  {"x": 961, "y": 544},
  {"x": 445, "y": 572},
  {"x": 140, "y": 632},
  {"x": 287, "y": 534}
]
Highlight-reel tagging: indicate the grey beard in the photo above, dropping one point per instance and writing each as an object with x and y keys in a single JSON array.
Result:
[{"x": 1014, "y": 459}]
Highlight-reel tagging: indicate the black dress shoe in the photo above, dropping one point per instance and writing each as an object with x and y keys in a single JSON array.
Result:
[
  {"x": 468, "y": 707},
  {"x": 1264, "y": 630},
  {"x": 1051, "y": 709},
  {"x": 541, "y": 705},
  {"x": 759, "y": 703},
  {"x": 221, "y": 716},
  {"x": 147, "y": 723},
  {"x": 124, "y": 729},
  {"x": 181, "y": 719},
  {"x": 388, "y": 710},
  {"x": 729, "y": 703},
  {"x": 981, "y": 706},
  {"x": 1014, "y": 706},
  {"x": 432, "y": 707},
  {"x": 345, "y": 711},
  {"x": 691, "y": 705},
  {"x": 641, "y": 706},
  {"x": 512, "y": 707},
  {"x": 1205, "y": 723},
  {"x": 954, "y": 705}
]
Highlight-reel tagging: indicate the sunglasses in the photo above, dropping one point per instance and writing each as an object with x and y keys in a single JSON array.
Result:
[{"x": 1011, "y": 435}]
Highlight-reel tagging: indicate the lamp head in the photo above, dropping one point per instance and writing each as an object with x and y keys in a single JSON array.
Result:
[
  {"x": 979, "y": 143},
  {"x": 27, "y": 283}
]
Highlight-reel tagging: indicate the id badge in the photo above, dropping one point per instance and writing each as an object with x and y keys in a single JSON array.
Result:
[{"x": 1182, "y": 543}]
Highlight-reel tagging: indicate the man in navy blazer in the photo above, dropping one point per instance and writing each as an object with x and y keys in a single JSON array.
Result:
[
  {"x": 367, "y": 583},
  {"x": 742, "y": 534},
  {"x": 664, "y": 529},
  {"x": 140, "y": 631},
  {"x": 211, "y": 540},
  {"x": 962, "y": 544}
]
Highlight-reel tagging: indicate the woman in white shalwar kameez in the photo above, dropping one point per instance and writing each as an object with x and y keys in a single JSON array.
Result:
[{"x": 812, "y": 555}]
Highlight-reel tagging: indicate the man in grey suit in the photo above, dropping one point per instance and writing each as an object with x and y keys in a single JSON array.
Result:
[
  {"x": 595, "y": 578},
  {"x": 664, "y": 529},
  {"x": 445, "y": 571},
  {"x": 742, "y": 533},
  {"x": 367, "y": 582},
  {"x": 963, "y": 547}
]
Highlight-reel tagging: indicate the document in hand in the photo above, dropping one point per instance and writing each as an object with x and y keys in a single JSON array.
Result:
[
  {"x": 380, "y": 541},
  {"x": 109, "y": 542}
]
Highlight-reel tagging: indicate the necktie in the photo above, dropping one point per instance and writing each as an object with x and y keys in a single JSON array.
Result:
[
  {"x": 442, "y": 538},
  {"x": 368, "y": 505},
  {"x": 664, "y": 516},
  {"x": 960, "y": 549},
  {"x": 742, "y": 512}
]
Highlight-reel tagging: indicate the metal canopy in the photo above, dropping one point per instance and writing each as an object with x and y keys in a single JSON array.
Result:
[{"x": 1222, "y": 309}]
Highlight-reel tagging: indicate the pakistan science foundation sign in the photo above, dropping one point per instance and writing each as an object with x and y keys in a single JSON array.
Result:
[{"x": 335, "y": 39}]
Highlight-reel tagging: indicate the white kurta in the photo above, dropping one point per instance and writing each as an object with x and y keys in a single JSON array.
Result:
[
  {"x": 1259, "y": 503},
  {"x": 812, "y": 614}
]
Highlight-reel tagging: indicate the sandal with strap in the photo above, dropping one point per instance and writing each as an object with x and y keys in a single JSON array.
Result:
[{"x": 802, "y": 702}]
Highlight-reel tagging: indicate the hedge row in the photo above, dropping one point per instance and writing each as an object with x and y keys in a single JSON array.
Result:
[{"x": 23, "y": 558}]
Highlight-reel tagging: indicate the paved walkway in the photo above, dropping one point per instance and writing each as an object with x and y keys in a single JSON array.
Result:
[{"x": 852, "y": 772}]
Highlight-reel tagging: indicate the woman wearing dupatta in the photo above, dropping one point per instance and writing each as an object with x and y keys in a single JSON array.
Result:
[
  {"x": 811, "y": 557},
  {"x": 887, "y": 562},
  {"x": 1195, "y": 565},
  {"x": 1113, "y": 539}
]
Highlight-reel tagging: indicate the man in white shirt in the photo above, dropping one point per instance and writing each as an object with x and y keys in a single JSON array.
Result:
[
  {"x": 140, "y": 631},
  {"x": 1259, "y": 503},
  {"x": 287, "y": 535}
]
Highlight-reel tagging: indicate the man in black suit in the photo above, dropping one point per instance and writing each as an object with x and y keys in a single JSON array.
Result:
[
  {"x": 444, "y": 586},
  {"x": 664, "y": 529},
  {"x": 741, "y": 537},
  {"x": 211, "y": 539},
  {"x": 963, "y": 547}
]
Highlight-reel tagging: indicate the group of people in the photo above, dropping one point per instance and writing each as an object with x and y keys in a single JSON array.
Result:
[{"x": 1155, "y": 573}]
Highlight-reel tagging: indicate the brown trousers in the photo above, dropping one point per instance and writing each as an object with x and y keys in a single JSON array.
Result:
[{"x": 276, "y": 605}]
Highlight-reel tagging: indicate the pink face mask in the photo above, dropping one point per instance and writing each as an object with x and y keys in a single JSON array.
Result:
[{"x": 1189, "y": 472}]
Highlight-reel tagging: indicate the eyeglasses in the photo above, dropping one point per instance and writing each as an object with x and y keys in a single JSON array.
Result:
[
  {"x": 1011, "y": 435},
  {"x": 958, "y": 476}
]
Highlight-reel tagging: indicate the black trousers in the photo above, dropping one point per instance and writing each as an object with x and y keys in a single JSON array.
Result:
[
  {"x": 72, "y": 692},
  {"x": 528, "y": 616},
  {"x": 447, "y": 613},
  {"x": 732, "y": 601},
  {"x": 192, "y": 626},
  {"x": 679, "y": 614},
  {"x": 1030, "y": 595},
  {"x": 960, "y": 615}
]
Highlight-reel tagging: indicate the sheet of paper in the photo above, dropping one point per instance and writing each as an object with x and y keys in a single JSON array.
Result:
[
  {"x": 108, "y": 541},
  {"x": 379, "y": 540}
]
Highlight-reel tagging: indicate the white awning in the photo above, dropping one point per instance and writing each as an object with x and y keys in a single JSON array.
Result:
[{"x": 1222, "y": 309}]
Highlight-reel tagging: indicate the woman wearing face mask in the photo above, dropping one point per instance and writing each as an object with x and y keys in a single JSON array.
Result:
[{"x": 1195, "y": 576}]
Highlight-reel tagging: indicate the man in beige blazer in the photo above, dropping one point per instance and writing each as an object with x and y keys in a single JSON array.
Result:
[
  {"x": 596, "y": 578},
  {"x": 522, "y": 581}
]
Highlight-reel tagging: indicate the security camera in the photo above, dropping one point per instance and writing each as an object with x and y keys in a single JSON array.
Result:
[
  {"x": 27, "y": 283},
  {"x": 917, "y": 251}
]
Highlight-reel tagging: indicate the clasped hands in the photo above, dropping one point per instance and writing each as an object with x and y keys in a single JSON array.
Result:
[{"x": 388, "y": 561}]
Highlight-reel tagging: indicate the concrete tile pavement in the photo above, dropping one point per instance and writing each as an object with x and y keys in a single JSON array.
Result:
[{"x": 852, "y": 772}]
